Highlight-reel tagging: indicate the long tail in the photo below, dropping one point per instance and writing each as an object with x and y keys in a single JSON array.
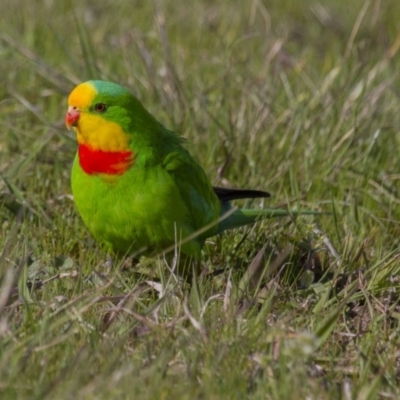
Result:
[{"x": 241, "y": 217}]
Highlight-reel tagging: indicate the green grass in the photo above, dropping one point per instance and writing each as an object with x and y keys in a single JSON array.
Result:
[{"x": 297, "y": 98}]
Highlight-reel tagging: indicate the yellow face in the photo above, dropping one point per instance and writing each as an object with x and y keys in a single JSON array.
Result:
[{"x": 91, "y": 129}]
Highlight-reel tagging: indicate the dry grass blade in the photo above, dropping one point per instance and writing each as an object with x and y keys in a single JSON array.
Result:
[{"x": 259, "y": 271}]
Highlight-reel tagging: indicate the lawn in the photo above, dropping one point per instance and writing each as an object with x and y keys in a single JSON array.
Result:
[{"x": 299, "y": 98}]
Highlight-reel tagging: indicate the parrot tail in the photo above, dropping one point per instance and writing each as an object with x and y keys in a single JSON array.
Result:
[
  {"x": 242, "y": 217},
  {"x": 228, "y": 194}
]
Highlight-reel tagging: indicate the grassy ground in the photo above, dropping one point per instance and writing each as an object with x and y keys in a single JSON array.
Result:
[{"x": 297, "y": 98}]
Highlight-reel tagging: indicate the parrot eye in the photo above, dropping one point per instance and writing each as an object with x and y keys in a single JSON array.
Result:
[{"x": 100, "y": 107}]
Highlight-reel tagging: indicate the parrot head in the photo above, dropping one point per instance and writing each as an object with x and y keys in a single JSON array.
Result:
[{"x": 101, "y": 115}]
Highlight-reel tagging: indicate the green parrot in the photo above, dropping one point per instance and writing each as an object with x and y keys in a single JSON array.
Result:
[{"x": 134, "y": 184}]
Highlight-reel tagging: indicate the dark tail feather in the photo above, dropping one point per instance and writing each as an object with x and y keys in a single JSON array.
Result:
[{"x": 226, "y": 194}]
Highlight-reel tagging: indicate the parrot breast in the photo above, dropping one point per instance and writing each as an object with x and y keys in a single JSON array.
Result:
[{"x": 95, "y": 161}]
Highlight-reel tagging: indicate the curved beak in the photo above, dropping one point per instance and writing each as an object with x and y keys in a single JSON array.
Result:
[{"x": 72, "y": 116}]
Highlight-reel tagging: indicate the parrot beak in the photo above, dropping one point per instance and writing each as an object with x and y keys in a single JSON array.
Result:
[{"x": 72, "y": 116}]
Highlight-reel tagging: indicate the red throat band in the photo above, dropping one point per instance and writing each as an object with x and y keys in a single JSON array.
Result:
[{"x": 104, "y": 162}]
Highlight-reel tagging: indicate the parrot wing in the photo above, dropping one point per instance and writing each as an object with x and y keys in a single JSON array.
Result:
[{"x": 194, "y": 188}]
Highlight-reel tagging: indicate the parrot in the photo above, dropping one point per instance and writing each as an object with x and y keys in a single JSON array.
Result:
[{"x": 134, "y": 184}]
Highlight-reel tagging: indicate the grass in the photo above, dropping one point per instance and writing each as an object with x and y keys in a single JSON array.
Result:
[{"x": 297, "y": 98}]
